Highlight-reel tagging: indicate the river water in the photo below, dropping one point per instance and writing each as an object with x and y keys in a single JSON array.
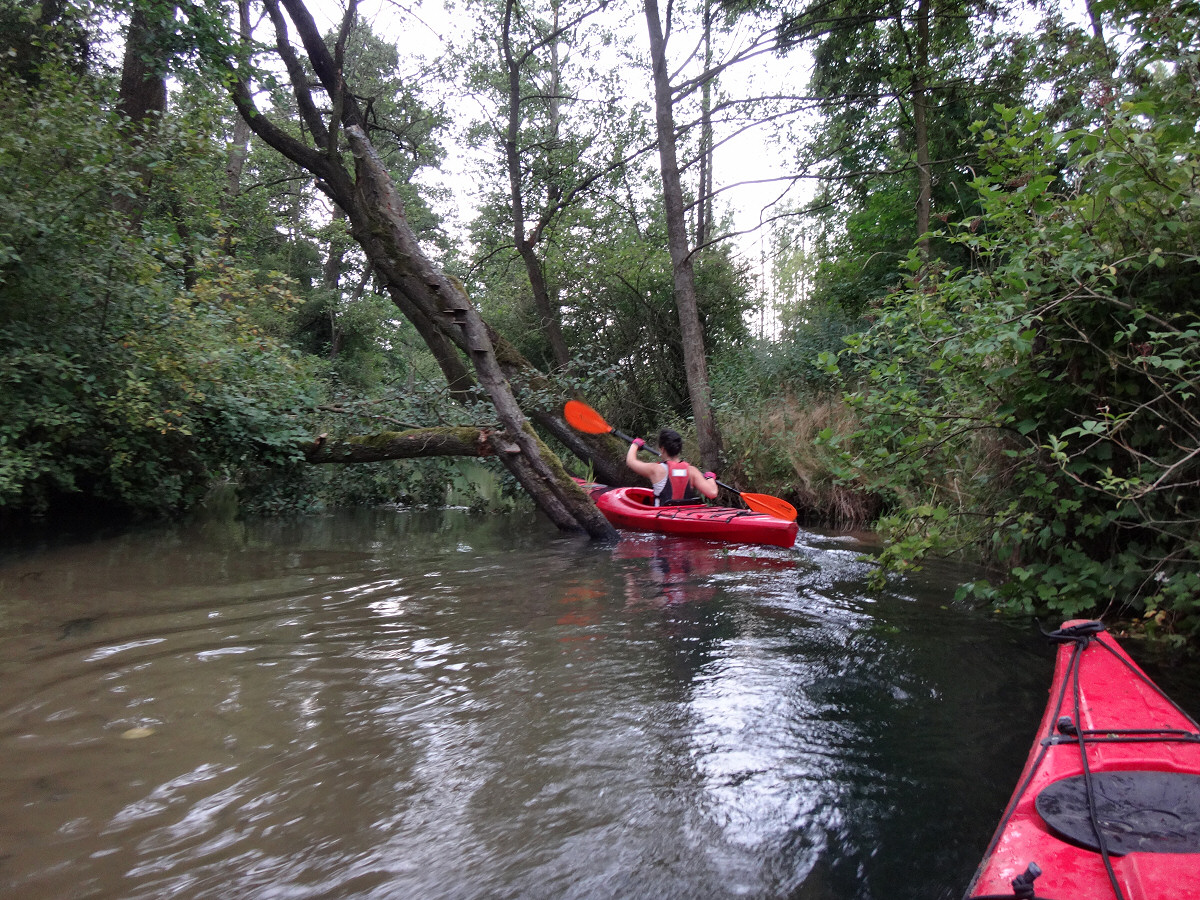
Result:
[{"x": 398, "y": 704}]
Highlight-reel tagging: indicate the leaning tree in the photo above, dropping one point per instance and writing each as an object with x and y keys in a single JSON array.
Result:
[{"x": 333, "y": 142}]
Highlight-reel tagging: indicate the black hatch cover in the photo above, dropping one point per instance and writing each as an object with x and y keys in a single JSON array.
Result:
[{"x": 1138, "y": 812}]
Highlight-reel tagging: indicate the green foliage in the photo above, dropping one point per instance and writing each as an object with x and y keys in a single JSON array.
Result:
[
  {"x": 860, "y": 262},
  {"x": 1040, "y": 402},
  {"x": 32, "y": 33},
  {"x": 143, "y": 363},
  {"x": 793, "y": 364},
  {"x": 613, "y": 274},
  {"x": 136, "y": 367},
  {"x": 626, "y": 321},
  {"x": 871, "y": 63}
]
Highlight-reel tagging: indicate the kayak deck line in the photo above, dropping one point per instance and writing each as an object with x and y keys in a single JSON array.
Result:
[
  {"x": 673, "y": 508},
  {"x": 1108, "y": 804},
  {"x": 1132, "y": 736},
  {"x": 714, "y": 513}
]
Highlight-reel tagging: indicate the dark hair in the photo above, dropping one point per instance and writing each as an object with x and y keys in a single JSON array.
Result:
[{"x": 670, "y": 442}]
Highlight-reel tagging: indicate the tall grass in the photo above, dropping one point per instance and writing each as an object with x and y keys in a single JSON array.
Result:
[
  {"x": 771, "y": 447},
  {"x": 773, "y": 399}
]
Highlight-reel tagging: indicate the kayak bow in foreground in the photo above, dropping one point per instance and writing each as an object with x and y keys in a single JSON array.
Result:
[{"x": 1108, "y": 805}]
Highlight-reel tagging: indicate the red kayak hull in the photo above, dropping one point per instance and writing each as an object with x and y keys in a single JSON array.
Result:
[
  {"x": 633, "y": 508},
  {"x": 1126, "y": 731}
]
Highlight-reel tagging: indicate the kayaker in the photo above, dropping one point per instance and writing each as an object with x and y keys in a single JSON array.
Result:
[{"x": 674, "y": 480}]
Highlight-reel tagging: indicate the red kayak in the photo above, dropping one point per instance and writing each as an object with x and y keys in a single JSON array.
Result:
[
  {"x": 1109, "y": 803},
  {"x": 633, "y": 508}
]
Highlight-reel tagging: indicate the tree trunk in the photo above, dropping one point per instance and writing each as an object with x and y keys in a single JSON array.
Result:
[
  {"x": 239, "y": 146},
  {"x": 691, "y": 332},
  {"x": 920, "y": 99},
  {"x": 550, "y": 316},
  {"x": 415, "y": 443},
  {"x": 704, "y": 202},
  {"x": 143, "y": 90},
  {"x": 331, "y": 270},
  {"x": 1098, "y": 29},
  {"x": 331, "y": 279},
  {"x": 418, "y": 443},
  {"x": 141, "y": 97},
  {"x": 235, "y": 160}
]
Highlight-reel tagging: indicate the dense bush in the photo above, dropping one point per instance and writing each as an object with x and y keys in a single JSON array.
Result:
[
  {"x": 1041, "y": 403},
  {"x": 134, "y": 367}
]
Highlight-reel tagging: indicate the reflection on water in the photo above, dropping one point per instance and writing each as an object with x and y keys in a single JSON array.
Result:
[{"x": 393, "y": 704}]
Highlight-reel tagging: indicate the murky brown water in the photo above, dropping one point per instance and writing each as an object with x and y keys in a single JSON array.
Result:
[{"x": 427, "y": 705}]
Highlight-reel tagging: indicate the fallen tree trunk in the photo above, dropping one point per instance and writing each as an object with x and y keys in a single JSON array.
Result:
[
  {"x": 418, "y": 443},
  {"x": 413, "y": 443}
]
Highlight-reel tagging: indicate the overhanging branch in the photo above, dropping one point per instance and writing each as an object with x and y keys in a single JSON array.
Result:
[{"x": 415, "y": 443}]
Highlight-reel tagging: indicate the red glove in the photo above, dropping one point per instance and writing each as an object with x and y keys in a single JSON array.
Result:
[
  {"x": 639, "y": 443},
  {"x": 711, "y": 476}
]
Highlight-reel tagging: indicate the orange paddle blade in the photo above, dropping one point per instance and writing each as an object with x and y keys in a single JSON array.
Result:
[
  {"x": 772, "y": 506},
  {"x": 583, "y": 418}
]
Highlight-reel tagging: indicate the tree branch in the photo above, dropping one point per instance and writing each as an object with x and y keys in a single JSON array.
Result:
[{"x": 415, "y": 443}]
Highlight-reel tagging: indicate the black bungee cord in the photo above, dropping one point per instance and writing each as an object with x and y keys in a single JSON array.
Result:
[{"x": 1089, "y": 785}]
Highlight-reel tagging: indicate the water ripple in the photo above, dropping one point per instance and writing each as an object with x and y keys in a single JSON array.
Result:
[{"x": 390, "y": 705}]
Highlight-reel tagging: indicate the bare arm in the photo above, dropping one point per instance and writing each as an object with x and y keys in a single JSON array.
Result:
[
  {"x": 706, "y": 486},
  {"x": 650, "y": 470}
]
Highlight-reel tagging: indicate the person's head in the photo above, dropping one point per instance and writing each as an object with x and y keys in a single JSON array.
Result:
[{"x": 669, "y": 442}]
